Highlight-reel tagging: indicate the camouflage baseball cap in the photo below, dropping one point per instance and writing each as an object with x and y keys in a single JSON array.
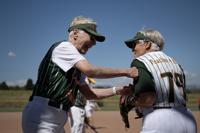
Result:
[
  {"x": 90, "y": 29},
  {"x": 139, "y": 36}
]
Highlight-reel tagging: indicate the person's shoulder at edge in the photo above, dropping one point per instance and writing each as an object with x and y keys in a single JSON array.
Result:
[
  {"x": 66, "y": 45},
  {"x": 67, "y": 48},
  {"x": 138, "y": 64}
]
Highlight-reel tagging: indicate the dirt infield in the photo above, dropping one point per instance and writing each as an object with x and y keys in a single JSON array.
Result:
[{"x": 105, "y": 121}]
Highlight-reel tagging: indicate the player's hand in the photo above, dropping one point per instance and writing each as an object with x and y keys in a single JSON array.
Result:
[
  {"x": 133, "y": 72},
  {"x": 126, "y": 103}
]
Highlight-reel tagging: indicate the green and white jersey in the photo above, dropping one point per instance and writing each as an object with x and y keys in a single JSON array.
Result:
[
  {"x": 57, "y": 74},
  {"x": 168, "y": 77}
]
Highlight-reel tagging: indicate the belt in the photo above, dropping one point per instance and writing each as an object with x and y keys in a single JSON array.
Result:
[
  {"x": 167, "y": 107},
  {"x": 53, "y": 104}
]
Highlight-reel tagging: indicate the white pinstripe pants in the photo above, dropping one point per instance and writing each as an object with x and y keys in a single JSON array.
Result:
[
  {"x": 39, "y": 117},
  {"x": 174, "y": 120}
]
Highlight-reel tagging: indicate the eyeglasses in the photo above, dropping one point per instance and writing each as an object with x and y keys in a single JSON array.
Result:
[{"x": 92, "y": 38}]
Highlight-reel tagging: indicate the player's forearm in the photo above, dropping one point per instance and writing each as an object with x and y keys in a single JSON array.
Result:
[
  {"x": 108, "y": 92},
  {"x": 104, "y": 72},
  {"x": 95, "y": 93},
  {"x": 100, "y": 93}
]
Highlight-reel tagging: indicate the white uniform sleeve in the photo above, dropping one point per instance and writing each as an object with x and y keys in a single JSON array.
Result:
[{"x": 65, "y": 55}]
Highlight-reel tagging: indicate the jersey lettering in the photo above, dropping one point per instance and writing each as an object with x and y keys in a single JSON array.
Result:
[{"x": 168, "y": 77}]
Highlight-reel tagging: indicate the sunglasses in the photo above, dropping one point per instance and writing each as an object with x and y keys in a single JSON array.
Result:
[{"x": 92, "y": 37}]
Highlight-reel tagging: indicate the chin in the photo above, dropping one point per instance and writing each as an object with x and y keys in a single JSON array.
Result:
[{"x": 83, "y": 52}]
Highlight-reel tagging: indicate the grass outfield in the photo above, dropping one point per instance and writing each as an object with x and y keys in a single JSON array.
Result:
[{"x": 15, "y": 100}]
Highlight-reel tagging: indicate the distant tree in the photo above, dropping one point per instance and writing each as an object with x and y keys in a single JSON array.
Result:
[
  {"x": 29, "y": 84},
  {"x": 16, "y": 87},
  {"x": 4, "y": 86}
]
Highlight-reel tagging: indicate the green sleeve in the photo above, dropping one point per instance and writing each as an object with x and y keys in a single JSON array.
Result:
[{"x": 145, "y": 81}]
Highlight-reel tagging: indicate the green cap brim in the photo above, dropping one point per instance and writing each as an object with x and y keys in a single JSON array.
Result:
[
  {"x": 97, "y": 36},
  {"x": 90, "y": 29},
  {"x": 131, "y": 42}
]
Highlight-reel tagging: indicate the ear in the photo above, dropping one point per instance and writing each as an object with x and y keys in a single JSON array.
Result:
[
  {"x": 75, "y": 34},
  {"x": 148, "y": 45}
]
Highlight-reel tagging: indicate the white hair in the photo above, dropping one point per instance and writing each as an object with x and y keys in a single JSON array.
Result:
[
  {"x": 155, "y": 47},
  {"x": 155, "y": 36}
]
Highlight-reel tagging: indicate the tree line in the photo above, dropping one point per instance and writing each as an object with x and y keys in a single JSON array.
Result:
[{"x": 28, "y": 86}]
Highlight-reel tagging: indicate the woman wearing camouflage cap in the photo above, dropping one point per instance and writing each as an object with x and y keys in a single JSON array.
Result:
[{"x": 59, "y": 78}]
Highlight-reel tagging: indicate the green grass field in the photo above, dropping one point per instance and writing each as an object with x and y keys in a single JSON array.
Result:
[{"x": 15, "y": 100}]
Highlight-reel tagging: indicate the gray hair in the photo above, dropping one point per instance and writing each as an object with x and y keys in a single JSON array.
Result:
[{"x": 156, "y": 38}]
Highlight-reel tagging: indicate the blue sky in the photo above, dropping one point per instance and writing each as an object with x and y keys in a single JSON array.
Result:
[{"x": 29, "y": 27}]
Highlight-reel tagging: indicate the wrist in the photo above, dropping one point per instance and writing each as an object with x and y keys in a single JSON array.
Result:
[{"x": 114, "y": 90}]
